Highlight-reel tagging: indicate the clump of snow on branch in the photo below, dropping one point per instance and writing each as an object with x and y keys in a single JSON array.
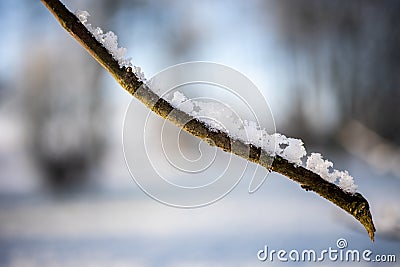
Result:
[
  {"x": 179, "y": 100},
  {"x": 82, "y": 15},
  {"x": 139, "y": 73},
  {"x": 317, "y": 164},
  {"x": 346, "y": 181},
  {"x": 219, "y": 117},
  {"x": 110, "y": 41},
  {"x": 252, "y": 133},
  {"x": 293, "y": 149}
]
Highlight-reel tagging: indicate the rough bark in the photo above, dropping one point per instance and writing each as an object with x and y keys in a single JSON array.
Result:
[{"x": 354, "y": 204}]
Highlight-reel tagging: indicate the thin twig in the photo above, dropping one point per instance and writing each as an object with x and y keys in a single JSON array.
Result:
[{"x": 354, "y": 204}]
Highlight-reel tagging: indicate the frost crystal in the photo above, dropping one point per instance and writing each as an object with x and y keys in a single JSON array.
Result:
[
  {"x": 82, "y": 15},
  {"x": 219, "y": 117},
  {"x": 317, "y": 164},
  {"x": 178, "y": 99},
  {"x": 294, "y": 151},
  {"x": 181, "y": 102},
  {"x": 254, "y": 133},
  {"x": 138, "y": 72},
  {"x": 110, "y": 41},
  {"x": 346, "y": 182}
]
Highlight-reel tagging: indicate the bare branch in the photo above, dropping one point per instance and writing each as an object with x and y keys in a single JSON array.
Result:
[{"x": 354, "y": 204}]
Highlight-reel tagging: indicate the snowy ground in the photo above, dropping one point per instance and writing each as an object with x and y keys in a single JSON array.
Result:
[{"x": 123, "y": 227}]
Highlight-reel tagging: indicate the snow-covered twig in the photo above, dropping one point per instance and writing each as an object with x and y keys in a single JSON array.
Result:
[{"x": 314, "y": 178}]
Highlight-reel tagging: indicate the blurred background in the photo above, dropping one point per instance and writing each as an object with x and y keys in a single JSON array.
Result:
[{"x": 329, "y": 69}]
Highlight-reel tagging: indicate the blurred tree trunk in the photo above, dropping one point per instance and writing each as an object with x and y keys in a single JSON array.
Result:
[
  {"x": 64, "y": 109},
  {"x": 351, "y": 50}
]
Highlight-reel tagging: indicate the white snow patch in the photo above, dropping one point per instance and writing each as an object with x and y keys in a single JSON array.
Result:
[
  {"x": 294, "y": 151},
  {"x": 181, "y": 102},
  {"x": 178, "y": 98},
  {"x": 317, "y": 164},
  {"x": 82, "y": 15},
  {"x": 110, "y": 41},
  {"x": 346, "y": 182},
  {"x": 139, "y": 73},
  {"x": 219, "y": 117}
]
